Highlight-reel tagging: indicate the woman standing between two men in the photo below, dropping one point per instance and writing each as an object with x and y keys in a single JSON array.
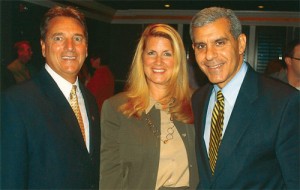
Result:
[{"x": 147, "y": 132}]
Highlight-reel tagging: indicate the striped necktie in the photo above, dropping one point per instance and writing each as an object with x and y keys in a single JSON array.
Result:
[
  {"x": 216, "y": 130},
  {"x": 75, "y": 106}
]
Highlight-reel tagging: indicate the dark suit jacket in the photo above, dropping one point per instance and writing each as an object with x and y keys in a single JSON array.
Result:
[
  {"x": 260, "y": 147},
  {"x": 41, "y": 143}
]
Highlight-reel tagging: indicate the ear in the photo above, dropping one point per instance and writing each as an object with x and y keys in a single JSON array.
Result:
[
  {"x": 242, "y": 40},
  {"x": 43, "y": 47},
  {"x": 287, "y": 60}
]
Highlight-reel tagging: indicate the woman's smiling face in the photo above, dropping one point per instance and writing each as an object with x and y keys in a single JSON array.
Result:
[{"x": 158, "y": 60}]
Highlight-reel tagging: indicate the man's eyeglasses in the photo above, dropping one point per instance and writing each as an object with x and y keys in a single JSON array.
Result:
[{"x": 296, "y": 58}]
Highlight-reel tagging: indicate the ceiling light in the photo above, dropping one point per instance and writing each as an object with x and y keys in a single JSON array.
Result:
[
  {"x": 260, "y": 6},
  {"x": 167, "y": 5}
]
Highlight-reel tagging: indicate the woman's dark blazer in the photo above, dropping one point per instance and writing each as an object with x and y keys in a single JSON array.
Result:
[{"x": 130, "y": 152}]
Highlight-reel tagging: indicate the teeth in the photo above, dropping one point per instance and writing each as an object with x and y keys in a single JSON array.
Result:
[
  {"x": 69, "y": 58},
  {"x": 214, "y": 66},
  {"x": 158, "y": 70}
]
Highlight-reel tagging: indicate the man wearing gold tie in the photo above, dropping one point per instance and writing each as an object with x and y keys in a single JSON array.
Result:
[
  {"x": 50, "y": 128},
  {"x": 247, "y": 125}
]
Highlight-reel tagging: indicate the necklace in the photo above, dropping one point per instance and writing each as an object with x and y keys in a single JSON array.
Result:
[{"x": 155, "y": 129}]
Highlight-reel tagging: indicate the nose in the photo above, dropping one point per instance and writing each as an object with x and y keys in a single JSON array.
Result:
[
  {"x": 210, "y": 52},
  {"x": 69, "y": 44},
  {"x": 158, "y": 60}
]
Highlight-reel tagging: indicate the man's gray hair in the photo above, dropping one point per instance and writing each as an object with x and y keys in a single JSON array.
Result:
[{"x": 209, "y": 15}]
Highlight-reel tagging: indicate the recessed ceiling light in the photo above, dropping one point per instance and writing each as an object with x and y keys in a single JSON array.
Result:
[
  {"x": 260, "y": 6},
  {"x": 167, "y": 5}
]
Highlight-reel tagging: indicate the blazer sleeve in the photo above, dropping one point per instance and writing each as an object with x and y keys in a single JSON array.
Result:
[
  {"x": 287, "y": 144},
  {"x": 14, "y": 153},
  {"x": 110, "y": 169}
]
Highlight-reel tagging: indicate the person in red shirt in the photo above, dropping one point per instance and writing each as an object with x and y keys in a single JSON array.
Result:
[{"x": 101, "y": 82}]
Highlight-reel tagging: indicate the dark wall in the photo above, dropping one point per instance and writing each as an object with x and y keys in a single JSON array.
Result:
[
  {"x": 122, "y": 46},
  {"x": 99, "y": 37}
]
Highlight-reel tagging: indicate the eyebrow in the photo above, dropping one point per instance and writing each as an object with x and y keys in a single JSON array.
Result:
[
  {"x": 79, "y": 35},
  {"x": 218, "y": 39},
  {"x": 61, "y": 33},
  {"x": 222, "y": 39}
]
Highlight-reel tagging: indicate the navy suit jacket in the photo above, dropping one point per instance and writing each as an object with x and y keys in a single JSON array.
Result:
[
  {"x": 41, "y": 143},
  {"x": 260, "y": 147}
]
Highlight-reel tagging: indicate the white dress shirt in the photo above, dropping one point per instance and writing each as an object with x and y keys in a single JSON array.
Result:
[
  {"x": 230, "y": 93},
  {"x": 66, "y": 87}
]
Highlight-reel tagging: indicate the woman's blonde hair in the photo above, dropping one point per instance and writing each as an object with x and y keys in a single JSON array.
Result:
[{"x": 137, "y": 90}]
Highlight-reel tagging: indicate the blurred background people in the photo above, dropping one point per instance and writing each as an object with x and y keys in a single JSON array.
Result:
[
  {"x": 273, "y": 66},
  {"x": 101, "y": 80},
  {"x": 50, "y": 127},
  {"x": 147, "y": 131},
  {"x": 7, "y": 79},
  {"x": 19, "y": 67},
  {"x": 291, "y": 72}
]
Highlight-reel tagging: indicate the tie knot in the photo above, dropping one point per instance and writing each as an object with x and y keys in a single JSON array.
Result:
[
  {"x": 73, "y": 88},
  {"x": 220, "y": 96},
  {"x": 73, "y": 91}
]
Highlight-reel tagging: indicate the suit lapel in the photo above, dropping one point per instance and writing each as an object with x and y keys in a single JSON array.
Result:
[
  {"x": 203, "y": 121},
  {"x": 91, "y": 118},
  {"x": 239, "y": 121},
  {"x": 154, "y": 116},
  {"x": 200, "y": 105},
  {"x": 59, "y": 105}
]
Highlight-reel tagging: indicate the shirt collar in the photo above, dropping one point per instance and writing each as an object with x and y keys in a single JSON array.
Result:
[
  {"x": 235, "y": 83},
  {"x": 64, "y": 85},
  {"x": 157, "y": 105},
  {"x": 152, "y": 102}
]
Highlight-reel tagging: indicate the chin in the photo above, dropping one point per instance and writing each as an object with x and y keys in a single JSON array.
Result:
[{"x": 215, "y": 80}]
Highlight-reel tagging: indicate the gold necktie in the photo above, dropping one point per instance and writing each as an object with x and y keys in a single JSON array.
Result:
[
  {"x": 216, "y": 130},
  {"x": 76, "y": 109}
]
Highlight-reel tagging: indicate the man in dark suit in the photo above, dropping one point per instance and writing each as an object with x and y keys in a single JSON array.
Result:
[
  {"x": 256, "y": 145},
  {"x": 44, "y": 144}
]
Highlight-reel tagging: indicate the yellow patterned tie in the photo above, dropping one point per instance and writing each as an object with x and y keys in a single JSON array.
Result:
[
  {"x": 216, "y": 130},
  {"x": 76, "y": 109}
]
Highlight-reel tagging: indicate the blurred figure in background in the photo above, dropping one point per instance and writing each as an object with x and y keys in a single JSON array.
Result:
[
  {"x": 291, "y": 72},
  {"x": 101, "y": 81},
  {"x": 18, "y": 67},
  {"x": 273, "y": 66},
  {"x": 7, "y": 79}
]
